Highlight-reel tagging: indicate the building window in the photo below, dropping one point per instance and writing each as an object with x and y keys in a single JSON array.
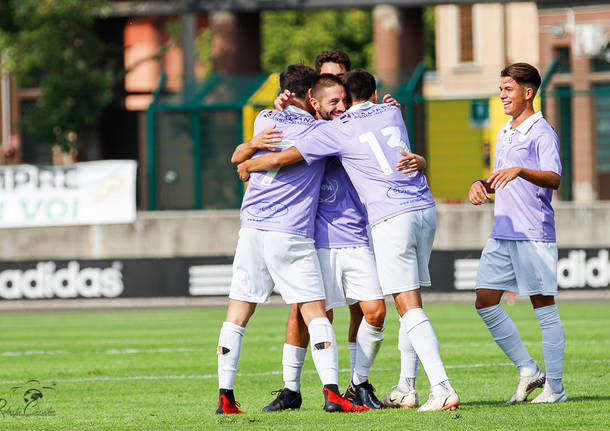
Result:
[
  {"x": 562, "y": 54},
  {"x": 601, "y": 62},
  {"x": 466, "y": 44}
]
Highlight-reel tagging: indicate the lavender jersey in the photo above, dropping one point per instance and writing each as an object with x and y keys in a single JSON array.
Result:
[
  {"x": 341, "y": 217},
  {"x": 523, "y": 210},
  {"x": 284, "y": 200},
  {"x": 367, "y": 139}
]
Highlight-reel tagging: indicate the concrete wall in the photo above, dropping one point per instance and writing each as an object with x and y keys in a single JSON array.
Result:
[{"x": 214, "y": 233}]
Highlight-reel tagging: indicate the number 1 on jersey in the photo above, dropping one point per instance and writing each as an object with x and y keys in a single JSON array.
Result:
[{"x": 393, "y": 141}]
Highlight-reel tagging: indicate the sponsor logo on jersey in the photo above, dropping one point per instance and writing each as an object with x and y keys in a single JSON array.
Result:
[
  {"x": 345, "y": 117},
  {"x": 328, "y": 190},
  {"x": 265, "y": 210},
  {"x": 405, "y": 191}
]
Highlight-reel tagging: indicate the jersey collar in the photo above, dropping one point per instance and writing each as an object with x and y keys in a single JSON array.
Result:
[
  {"x": 524, "y": 127},
  {"x": 295, "y": 110},
  {"x": 361, "y": 106}
]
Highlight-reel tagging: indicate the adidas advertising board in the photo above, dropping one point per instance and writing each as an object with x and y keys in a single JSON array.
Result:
[{"x": 207, "y": 276}]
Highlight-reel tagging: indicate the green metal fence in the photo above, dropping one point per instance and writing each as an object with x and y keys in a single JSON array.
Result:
[
  {"x": 191, "y": 137},
  {"x": 190, "y": 142}
]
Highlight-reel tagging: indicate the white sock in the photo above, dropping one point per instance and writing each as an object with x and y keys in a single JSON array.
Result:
[
  {"x": 408, "y": 360},
  {"x": 229, "y": 350},
  {"x": 368, "y": 342},
  {"x": 352, "y": 358},
  {"x": 425, "y": 344},
  {"x": 506, "y": 335},
  {"x": 324, "y": 350},
  {"x": 553, "y": 343},
  {"x": 442, "y": 388},
  {"x": 293, "y": 358}
]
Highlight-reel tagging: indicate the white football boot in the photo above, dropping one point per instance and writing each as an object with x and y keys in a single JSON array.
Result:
[
  {"x": 448, "y": 401},
  {"x": 400, "y": 399},
  {"x": 548, "y": 396},
  {"x": 526, "y": 386}
]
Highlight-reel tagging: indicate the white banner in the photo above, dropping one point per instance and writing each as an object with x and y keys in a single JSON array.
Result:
[{"x": 82, "y": 193}]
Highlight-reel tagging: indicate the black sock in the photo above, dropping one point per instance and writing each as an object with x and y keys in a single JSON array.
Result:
[
  {"x": 333, "y": 388},
  {"x": 227, "y": 393}
]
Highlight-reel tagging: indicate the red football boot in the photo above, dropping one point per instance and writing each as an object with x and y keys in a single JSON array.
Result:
[
  {"x": 227, "y": 404},
  {"x": 334, "y": 402}
]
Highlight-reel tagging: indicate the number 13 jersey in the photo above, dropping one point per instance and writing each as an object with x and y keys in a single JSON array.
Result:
[{"x": 367, "y": 139}]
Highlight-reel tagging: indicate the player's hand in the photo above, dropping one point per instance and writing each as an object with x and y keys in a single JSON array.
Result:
[
  {"x": 242, "y": 170},
  {"x": 267, "y": 139},
  {"x": 411, "y": 162},
  {"x": 284, "y": 100},
  {"x": 499, "y": 179},
  {"x": 389, "y": 99},
  {"x": 478, "y": 193}
]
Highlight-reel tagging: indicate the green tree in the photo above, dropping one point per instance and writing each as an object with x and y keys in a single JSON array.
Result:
[
  {"x": 52, "y": 44},
  {"x": 290, "y": 37}
]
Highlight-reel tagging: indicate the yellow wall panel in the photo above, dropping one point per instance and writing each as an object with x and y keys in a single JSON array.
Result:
[{"x": 455, "y": 154}]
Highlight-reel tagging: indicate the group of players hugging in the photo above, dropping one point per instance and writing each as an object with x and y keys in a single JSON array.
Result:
[{"x": 338, "y": 212}]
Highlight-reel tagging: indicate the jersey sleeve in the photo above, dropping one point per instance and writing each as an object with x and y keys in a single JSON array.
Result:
[
  {"x": 323, "y": 141},
  {"x": 548, "y": 152},
  {"x": 262, "y": 121}
]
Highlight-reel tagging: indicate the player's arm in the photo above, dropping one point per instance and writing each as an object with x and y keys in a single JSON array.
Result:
[
  {"x": 546, "y": 179},
  {"x": 480, "y": 189},
  {"x": 265, "y": 140},
  {"x": 269, "y": 161},
  {"x": 411, "y": 162}
]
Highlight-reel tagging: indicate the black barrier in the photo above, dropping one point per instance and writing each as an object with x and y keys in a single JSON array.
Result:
[{"x": 200, "y": 276}]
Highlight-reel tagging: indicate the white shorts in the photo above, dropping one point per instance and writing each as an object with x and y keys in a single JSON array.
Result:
[
  {"x": 349, "y": 275},
  {"x": 402, "y": 246},
  {"x": 264, "y": 259},
  {"x": 526, "y": 267}
]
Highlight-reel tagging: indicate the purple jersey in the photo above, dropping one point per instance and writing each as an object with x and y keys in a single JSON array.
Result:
[
  {"x": 341, "y": 217},
  {"x": 284, "y": 200},
  {"x": 367, "y": 139},
  {"x": 523, "y": 210}
]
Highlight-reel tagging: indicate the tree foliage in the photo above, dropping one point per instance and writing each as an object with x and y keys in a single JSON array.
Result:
[
  {"x": 290, "y": 37},
  {"x": 52, "y": 44}
]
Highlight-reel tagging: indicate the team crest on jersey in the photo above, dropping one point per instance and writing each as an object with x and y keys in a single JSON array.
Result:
[
  {"x": 267, "y": 114},
  {"x": 345, "y": 117}
]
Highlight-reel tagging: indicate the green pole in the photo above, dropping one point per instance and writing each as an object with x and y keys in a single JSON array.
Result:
[
  {"x": 197, "y": 159},
  {"x": 410, "y": 89},
  {"x": 545, "y": 79},
  {"x": 151, "y": 144},
  {"x": 240, "y": 137}
]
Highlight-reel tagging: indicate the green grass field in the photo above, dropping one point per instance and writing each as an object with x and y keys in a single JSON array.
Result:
[{"x": 156, "y": 370}]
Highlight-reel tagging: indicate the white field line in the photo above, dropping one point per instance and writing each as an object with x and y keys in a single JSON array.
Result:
[
  {"x": 34, "y": 352},
  {"x": 268, "y": 373},
  {"x": 132, "y": 351}
]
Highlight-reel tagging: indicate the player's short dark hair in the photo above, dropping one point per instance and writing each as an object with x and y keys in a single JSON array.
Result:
[
  {"x": 297, "y": 78},
  {"x": 333, "y": 56},
  {"x": 325, "y": 80},
  {"x": 524, "y": 74},
  {"x": 360, "y": 84}
]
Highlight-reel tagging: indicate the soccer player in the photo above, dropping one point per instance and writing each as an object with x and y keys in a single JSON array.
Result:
[
  {"x": 521, "y": 254},
  {"x": 348, "y": 270},
  {"x": 367, "y": 140},
  {"x": 275, "y": 247}
]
